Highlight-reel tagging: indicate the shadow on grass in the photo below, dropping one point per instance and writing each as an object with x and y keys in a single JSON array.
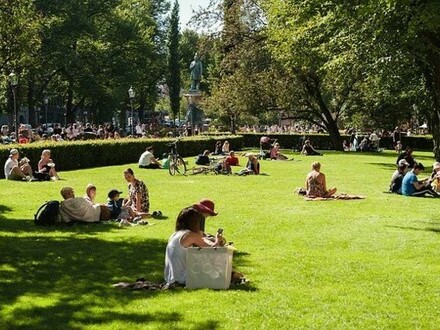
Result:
[
  {"x": 3, "y": 210},
  {"x": 53, "y": 281},
  {"x": 434, "y": 230},
  {"x": 386, "y": 166}
]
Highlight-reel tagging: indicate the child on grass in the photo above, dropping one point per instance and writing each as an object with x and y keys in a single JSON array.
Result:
[{"x": 124, "y": 214}]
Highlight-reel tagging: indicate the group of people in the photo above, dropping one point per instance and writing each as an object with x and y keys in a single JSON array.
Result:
[
  {"x": 20, "y": 169},
  {"x": 405, "y": 178},
  {"x": 128, "y": 211}
]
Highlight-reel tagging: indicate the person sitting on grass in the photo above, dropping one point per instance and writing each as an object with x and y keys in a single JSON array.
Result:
[
  {"x": 206, "y": 208},
  {"x": 187, "y": 234},
  {"x": 232, "y": 160},
  {"x": 147, "y": 159},
  {"x": 119, "y": 212},
  {"x": 203, "y": 159},
  {"x": 252, "y": 165},
  {"x": 411, "y": 186},
  {"x": 396, "y": 179},
  {"x": 308, "y": 149},
  {"x": 275, "y": 153},
  {"x": 46, "y": 165},
  {"x": 18, "y": 170},
  {"x": 225, "y": 148},
  {"x": 408, "y": 156},
  {"x": 218, "y": 148},
  {"x": 78, "y": 209},
  {"x": 165, "y": 161},
  {"x": 138, "y": 199},
  {"x": 435, "y": 176},
  {"x": 316, "y": 185}
]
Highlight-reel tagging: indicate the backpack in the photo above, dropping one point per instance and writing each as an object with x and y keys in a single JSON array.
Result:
[{"x": 47, "y": 214}]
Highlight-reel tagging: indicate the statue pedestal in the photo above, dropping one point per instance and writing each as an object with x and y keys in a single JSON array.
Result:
[
  {"x": 194, "y": 115},
  {"x": 193, "y": 97}
]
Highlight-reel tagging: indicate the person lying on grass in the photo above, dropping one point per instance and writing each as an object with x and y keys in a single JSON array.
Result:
[
  {"x": 316, "y": 185},
  {"x": 79, "y": 209},
  {"x": 187, "y": 233}
]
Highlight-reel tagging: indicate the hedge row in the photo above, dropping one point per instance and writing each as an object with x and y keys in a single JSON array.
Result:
[
  {"x": 96, "y": 153},
  {"x": 322, "y": 141}
]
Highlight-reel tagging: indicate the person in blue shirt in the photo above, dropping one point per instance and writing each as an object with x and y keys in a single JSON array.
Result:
[{"x": 412, "y": 186}]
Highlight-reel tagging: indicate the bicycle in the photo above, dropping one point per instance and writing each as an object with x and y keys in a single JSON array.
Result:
[
  {"x": 177, "y": 163},
  {"x": 216, "y": 166}
]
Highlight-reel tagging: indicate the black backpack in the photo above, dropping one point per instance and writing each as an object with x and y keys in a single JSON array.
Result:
[{"x": 47, "y": 214}]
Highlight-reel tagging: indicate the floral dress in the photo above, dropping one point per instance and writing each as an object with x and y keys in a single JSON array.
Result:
[
  {"x": 315, "y": 188},
  {"x": 139, "y": 188}
]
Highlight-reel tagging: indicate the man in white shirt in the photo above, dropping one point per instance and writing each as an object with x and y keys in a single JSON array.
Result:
[
  {"x": 79, "y": 209},
  {"x": 15, "y": 170},
  {"x": 147, "y": 159}
]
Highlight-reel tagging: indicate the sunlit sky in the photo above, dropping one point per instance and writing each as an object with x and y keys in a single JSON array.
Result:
[{"x": 186, "y": 8}]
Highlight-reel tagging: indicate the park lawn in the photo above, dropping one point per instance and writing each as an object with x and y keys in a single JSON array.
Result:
[{"x": 369, "y": 263}]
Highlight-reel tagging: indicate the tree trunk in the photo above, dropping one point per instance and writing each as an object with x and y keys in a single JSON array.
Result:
[
  {"x": 31, "y": 102},
  {"x": 432, "y": 74},
  {"x": 70, "y": 111}
]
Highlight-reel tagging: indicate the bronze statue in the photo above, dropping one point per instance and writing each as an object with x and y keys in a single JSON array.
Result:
[{"x": 196, "y": 73}]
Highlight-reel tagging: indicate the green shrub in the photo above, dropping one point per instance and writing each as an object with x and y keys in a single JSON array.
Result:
[{"x": 95, "y": 153}]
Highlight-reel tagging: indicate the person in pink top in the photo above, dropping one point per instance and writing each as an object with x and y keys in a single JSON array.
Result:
[{"x": 275, "y": 153}]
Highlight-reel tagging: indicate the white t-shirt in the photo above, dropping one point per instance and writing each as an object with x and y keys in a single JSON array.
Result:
[
  {"x": 10, "y": 163},
  {"x": 146, "y": 158}
]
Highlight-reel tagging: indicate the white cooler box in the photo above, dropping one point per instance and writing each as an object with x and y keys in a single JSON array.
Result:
[{"x": 208, "y": 267}]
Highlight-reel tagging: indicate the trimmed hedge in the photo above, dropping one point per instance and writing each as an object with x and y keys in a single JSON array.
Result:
[
  {"x": 322, "y": 141},
  {"x": 95, "y": 153}
]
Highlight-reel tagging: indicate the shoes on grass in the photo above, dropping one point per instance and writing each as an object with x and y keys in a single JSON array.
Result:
[{"x": 124, "y": 223}]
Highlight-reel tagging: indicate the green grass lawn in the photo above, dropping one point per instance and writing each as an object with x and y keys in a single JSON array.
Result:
[{"x": 369, "y": 264}]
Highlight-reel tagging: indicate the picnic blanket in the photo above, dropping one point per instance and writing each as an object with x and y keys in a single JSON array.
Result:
[
  {"x": 237, "y": 278},
  {"x": 336, "y": 197},
  {"x": 140, "y": 284}
]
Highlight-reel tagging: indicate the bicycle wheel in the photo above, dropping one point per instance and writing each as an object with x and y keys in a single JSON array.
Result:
[
  {"x": 172, "y": 168},
  {"x": 180, "y": 166}
]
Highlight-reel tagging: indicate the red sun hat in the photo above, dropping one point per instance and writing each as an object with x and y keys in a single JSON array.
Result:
[{"x": 205, "y": 206}]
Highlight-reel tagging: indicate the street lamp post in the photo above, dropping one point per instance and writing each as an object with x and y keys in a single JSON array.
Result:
[
  {"x": 13, "y": 80},
  {"x": 46, "y": 105},
  {"x": 131, "y": 95}
]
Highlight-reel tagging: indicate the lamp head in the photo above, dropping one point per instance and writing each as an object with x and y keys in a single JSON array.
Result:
[
  {"x": 131, "y": 93},
  {"x": 13, "y": 79}
]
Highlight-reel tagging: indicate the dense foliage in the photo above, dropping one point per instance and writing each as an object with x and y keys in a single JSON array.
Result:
[{"x": 365, "y": 64}]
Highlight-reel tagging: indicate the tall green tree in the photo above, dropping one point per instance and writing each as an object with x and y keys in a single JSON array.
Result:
[
  {"x": 174, "y": 78},
  {"x": 19, "y": 44}
]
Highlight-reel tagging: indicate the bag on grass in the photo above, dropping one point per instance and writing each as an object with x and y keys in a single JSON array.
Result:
[
  {"x": 42, "y": 176},
  {"x": 209, "y": 267},
  {"x": 47, "y": 214}
]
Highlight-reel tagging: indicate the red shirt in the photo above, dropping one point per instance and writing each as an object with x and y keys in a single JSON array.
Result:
[{"x": 232, "y": 160}]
